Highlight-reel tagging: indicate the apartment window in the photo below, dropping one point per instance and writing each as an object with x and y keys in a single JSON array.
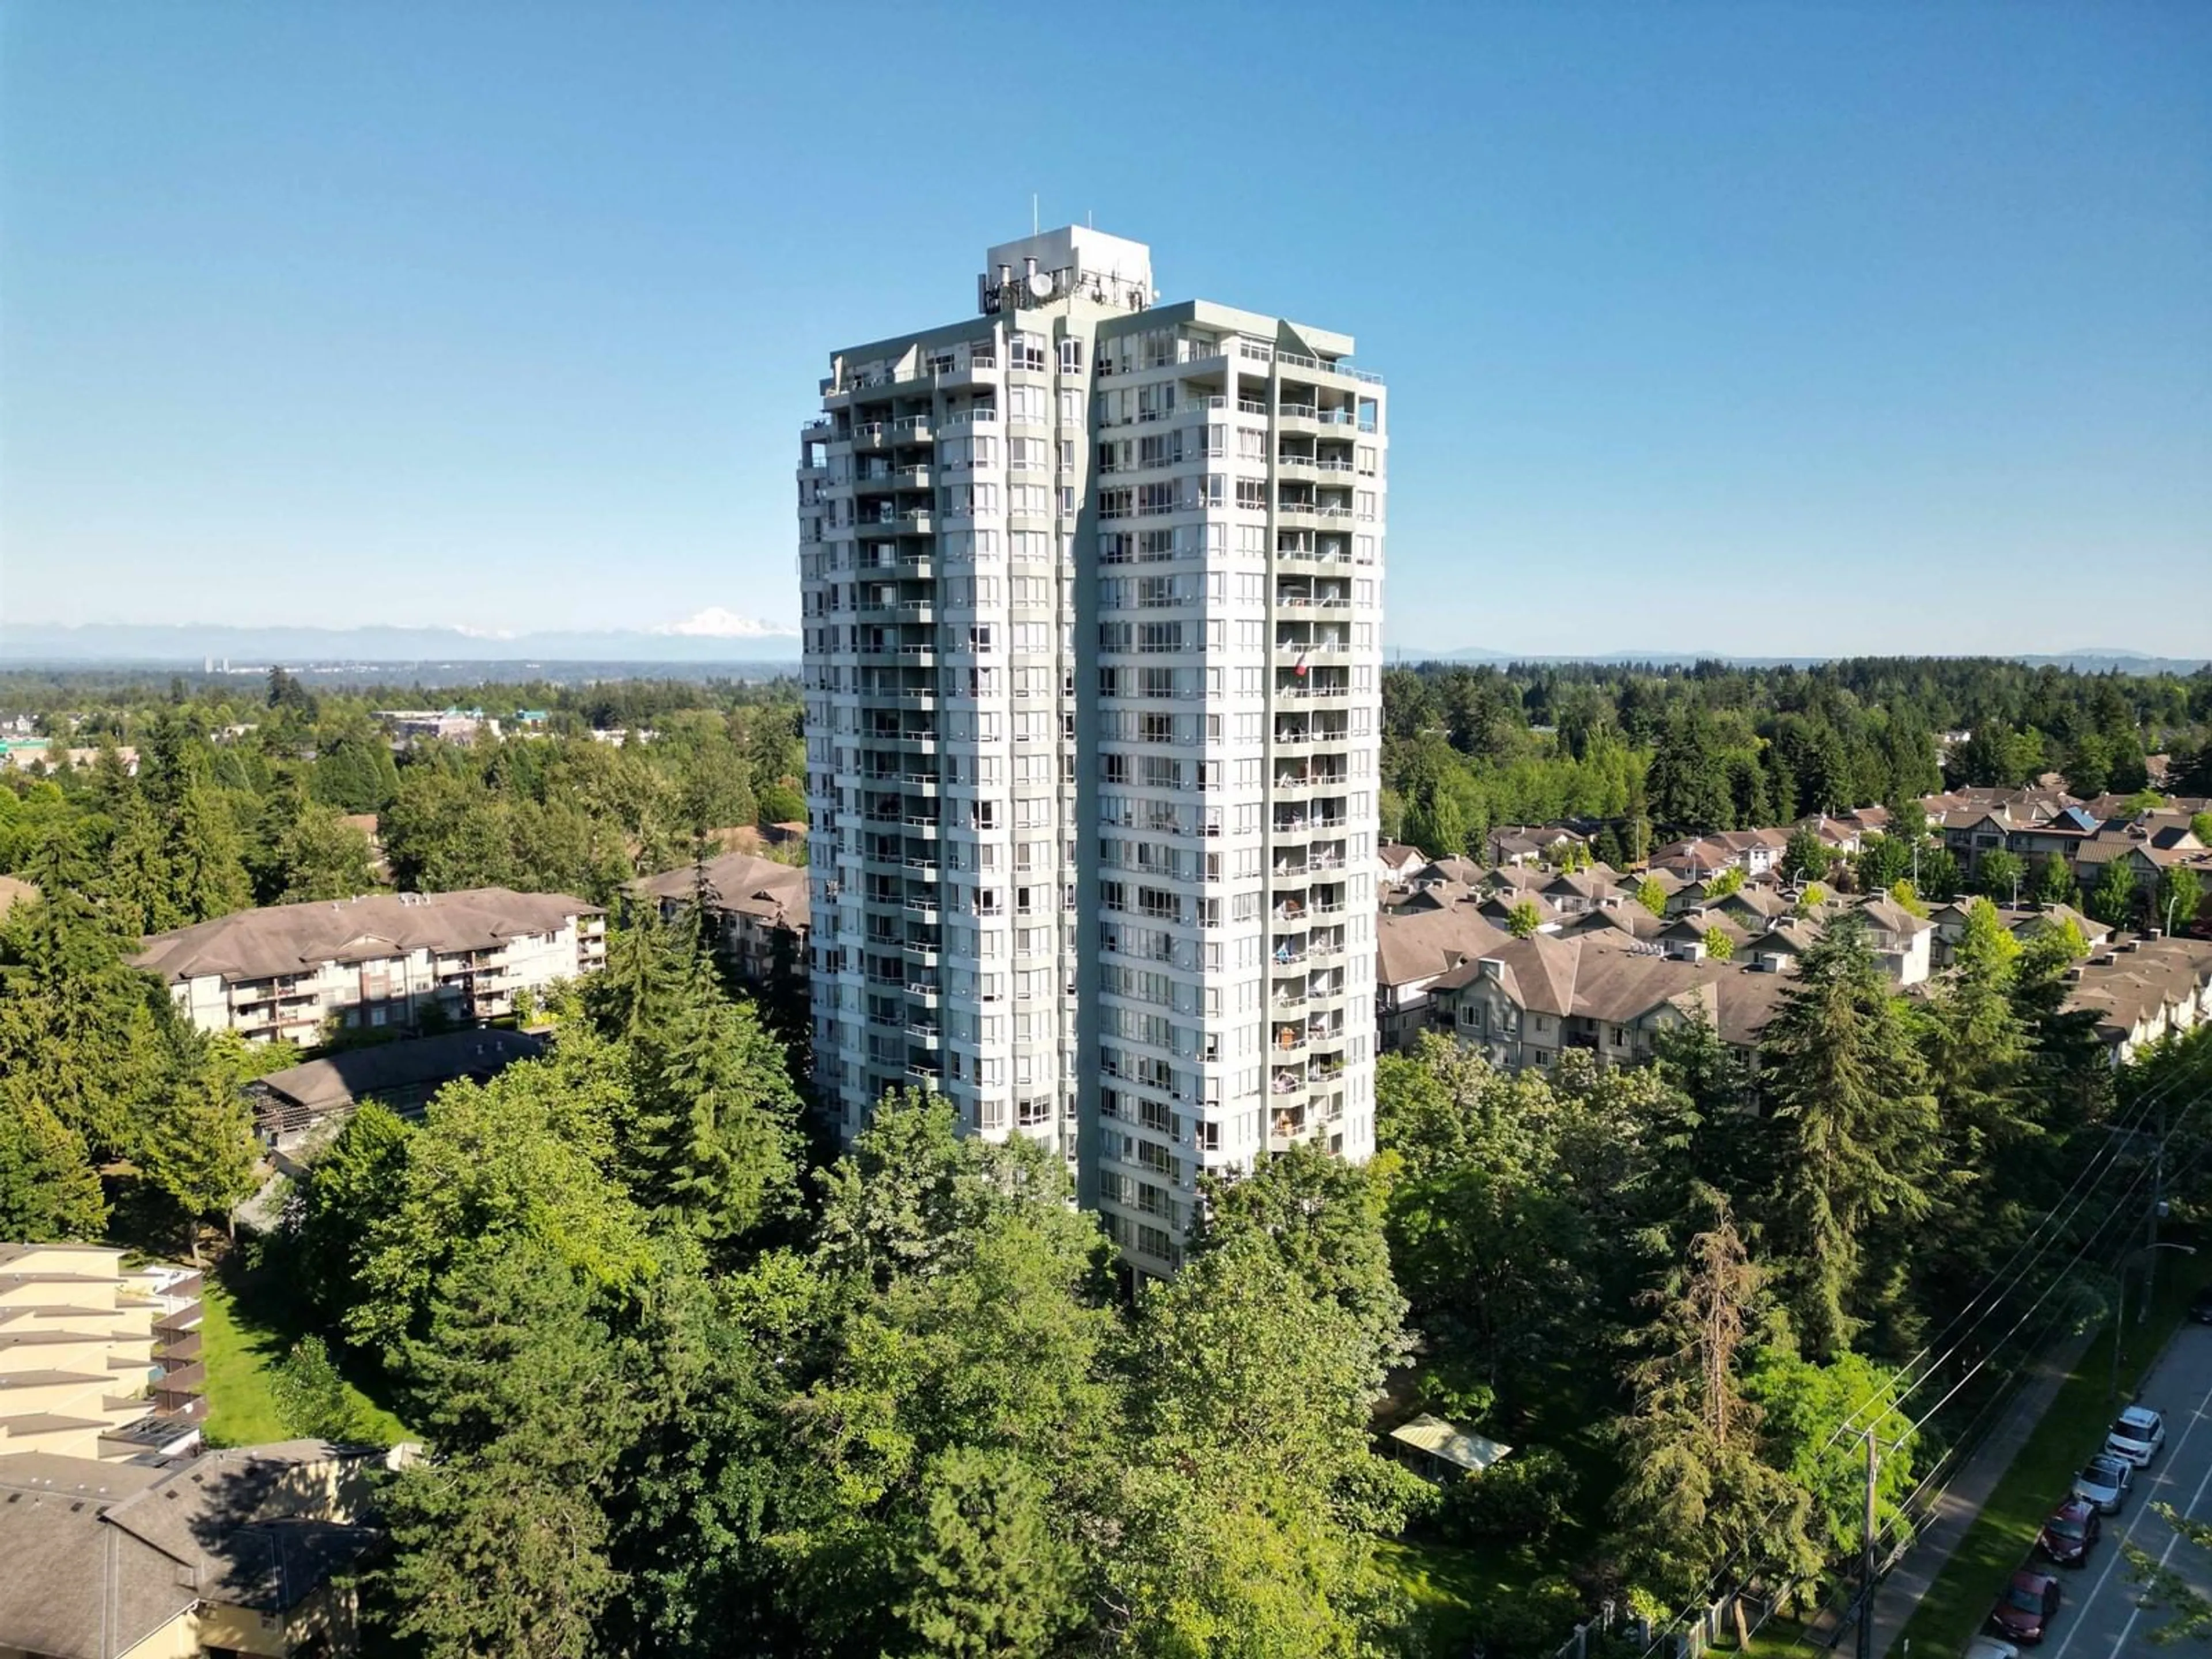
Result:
[
  {"x": 1070, "y": 357},
  {"x": 1026, "y": 351},
  {"x": 1252, "y": 494}
]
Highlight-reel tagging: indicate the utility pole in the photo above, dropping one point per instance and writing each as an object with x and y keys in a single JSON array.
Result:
[
  {"x": 1866, "y": 1548},
  {"x": 2119, "y": 1325},
  {"x": 2157, "y": 1203}
]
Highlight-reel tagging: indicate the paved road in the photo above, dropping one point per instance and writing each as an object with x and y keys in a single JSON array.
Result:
[
  {"x": 2099, "y": 1619},
  {"x": 1960, "y": 1505}
]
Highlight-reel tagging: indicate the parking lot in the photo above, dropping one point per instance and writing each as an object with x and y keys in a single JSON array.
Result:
[{"x": 2099, "y": 1619}]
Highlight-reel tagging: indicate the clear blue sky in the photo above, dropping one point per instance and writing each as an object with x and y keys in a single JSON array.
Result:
[{"x": 1754, "y": 328}]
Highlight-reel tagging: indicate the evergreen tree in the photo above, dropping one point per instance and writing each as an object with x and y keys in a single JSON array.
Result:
[
  {"x": 1696, "y": 1493},
  {"x": 1687, "y": 780},
  {"x": 197, "y": 1144},
  {"x": 48, "y": 1188},
  {"x": 501, "y": 1544},
  {"x": 717, "y": 1141},
  {"x": 206, "y": 857},
  {"x": 135, "y": 881},
  {"x": 1849, "y": 1092},
  {"x": 990, "y": 1576}
]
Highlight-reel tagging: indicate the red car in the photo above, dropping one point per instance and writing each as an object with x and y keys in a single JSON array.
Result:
[
  {"x": 2066, "y": 1536},
  {"x": 2025, "y": 1611}
]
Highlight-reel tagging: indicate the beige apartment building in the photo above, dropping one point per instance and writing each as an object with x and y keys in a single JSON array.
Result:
[
  {"x": 287, "y": 971},
  {"x": 97, "y": 1360}
]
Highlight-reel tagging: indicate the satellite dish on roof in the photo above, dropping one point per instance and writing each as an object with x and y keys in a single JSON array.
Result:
[{"x": 1041, "y": 285}]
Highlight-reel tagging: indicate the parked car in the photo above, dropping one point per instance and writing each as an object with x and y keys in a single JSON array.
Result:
[
  {"x": 2200, "y": 1309},
  {"x": 2104, "y": 1480},
  {"x": 2136, "y": 1434},
  {"x": 1988, "y": 1647},
  {"x": 2073, "y": 1527},
  {"x": 2025, "y": 1611}
]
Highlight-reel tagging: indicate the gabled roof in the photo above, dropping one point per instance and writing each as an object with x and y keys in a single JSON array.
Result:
[
  {"x": 290, "y": 939},
  {"x": 1885, "y": 913},
  {"x": 738, "y": 882},
  {"x": 101, "y": 1554},
  {"x": 1413, "y": 945},
  {"x": 1632, "y": 919}
]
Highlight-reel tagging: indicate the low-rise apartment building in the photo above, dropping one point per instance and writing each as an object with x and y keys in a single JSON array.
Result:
[
  {"x": 386, "y": 960},
  {"x": 757, "y": 909},
  {"x": 97, "y": 1361}
]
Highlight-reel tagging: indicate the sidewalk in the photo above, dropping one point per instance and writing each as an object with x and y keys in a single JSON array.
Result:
[{"x": 1946, "y": 1526}]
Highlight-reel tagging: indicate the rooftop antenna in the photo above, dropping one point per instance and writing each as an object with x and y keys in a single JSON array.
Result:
[{"x": 1033, "y": 213}]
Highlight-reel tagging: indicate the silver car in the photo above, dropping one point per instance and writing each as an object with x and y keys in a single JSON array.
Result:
[{"x": 2104, "y": 1480}]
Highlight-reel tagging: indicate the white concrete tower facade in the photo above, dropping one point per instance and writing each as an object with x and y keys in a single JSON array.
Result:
[{"x": 1092, "y": 618}]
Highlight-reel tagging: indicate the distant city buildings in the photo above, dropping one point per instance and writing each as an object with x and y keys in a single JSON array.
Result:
[{"x": 1092, "y": 592}]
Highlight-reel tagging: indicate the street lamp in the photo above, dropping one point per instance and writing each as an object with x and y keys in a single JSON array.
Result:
[{"x": 2142, "y": 1252}]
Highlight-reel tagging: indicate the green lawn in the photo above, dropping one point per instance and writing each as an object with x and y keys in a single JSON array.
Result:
[
  {"x": 239, "y": 1350},
  {"x": 2074, "y": 1427},
  {"x": 1448, "y": 1586},
  {"x": 1452, "y": 1586}
]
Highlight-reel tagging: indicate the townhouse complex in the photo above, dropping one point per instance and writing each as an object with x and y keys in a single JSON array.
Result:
[
  {"x": 1091, "y": 594},
  {"x": 1523, "y": 961},
  {"x": 384, "y": 960}
]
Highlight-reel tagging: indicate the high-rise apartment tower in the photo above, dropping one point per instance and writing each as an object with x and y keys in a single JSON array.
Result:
[{"x": 1092, "y": 594}]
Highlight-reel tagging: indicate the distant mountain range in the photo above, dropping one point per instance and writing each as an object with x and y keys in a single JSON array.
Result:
[{"x": 713, "y": 636}]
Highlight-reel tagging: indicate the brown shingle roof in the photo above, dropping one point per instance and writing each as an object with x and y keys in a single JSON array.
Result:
[
  {"x": 774, "y": 893},
  {"x": 285, "y": 938},
  {"x": 1411, "y": 944}
]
